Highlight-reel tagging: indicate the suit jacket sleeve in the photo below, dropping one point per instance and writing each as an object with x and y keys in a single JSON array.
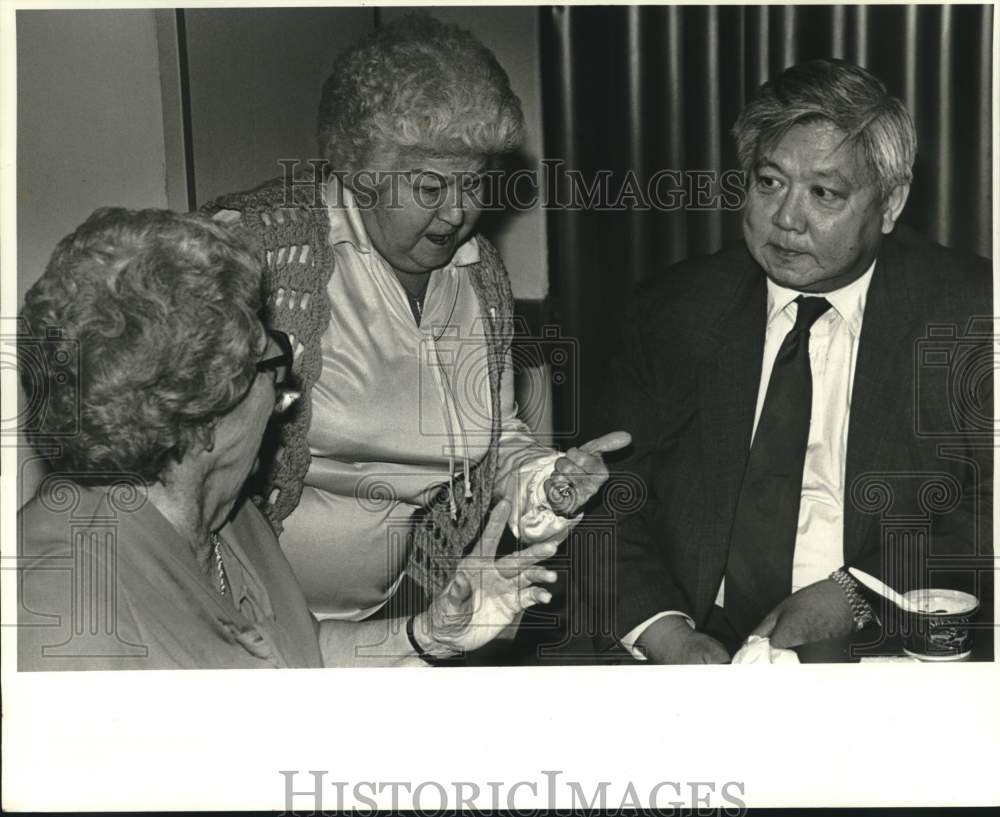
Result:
[{"x": 930, "y": 495}]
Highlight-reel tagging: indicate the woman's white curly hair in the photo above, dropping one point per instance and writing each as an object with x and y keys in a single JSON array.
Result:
[{"x": 417, "y": 86}]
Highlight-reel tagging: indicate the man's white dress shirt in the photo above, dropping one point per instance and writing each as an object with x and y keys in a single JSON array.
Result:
[{"x": 833, "y": 355}]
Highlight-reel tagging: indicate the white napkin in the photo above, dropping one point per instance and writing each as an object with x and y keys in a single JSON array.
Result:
[
  {"x": 758, "y": 650},
  {"x": 889, "y": 659}
]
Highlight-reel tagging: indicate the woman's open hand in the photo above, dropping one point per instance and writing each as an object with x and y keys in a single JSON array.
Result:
[
  {"x": 486, "y": 594},
  {"x": 580, "y": 473}
]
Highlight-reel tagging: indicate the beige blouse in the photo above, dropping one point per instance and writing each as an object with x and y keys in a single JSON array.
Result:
[{"x": 398, "y": 410}]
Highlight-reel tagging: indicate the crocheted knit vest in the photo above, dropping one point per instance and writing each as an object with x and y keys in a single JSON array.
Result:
[{"x": 289, "y": 225}]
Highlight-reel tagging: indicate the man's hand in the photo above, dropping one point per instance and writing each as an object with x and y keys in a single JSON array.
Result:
[
  {"x": 671, "y": 640},
  {"x": 580, "y": 472},
  {"x": 814, "y": 613}
]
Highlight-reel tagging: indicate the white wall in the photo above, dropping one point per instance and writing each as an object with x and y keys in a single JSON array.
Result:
[
  {"x": 89, "y": 124},
  {"x": 255, "y": 80}
]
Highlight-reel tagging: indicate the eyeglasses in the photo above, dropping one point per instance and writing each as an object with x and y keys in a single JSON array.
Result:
[{"x": 281, "y": 365}]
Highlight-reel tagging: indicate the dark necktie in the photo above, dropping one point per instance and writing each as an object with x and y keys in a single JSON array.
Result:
[{"x": 762, "y": 544}]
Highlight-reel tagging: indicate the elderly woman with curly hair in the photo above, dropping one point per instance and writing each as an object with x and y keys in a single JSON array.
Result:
[
  {"x": 157, "y": 379},
  {"x": 401, "y": 315}
]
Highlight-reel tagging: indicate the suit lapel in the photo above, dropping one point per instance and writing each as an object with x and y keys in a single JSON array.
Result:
[
  {"x": 729, "y": 399},
  {"x": 885, "y": 331}
]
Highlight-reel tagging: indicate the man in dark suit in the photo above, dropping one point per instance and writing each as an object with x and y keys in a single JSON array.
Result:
[{"x": 788, "y": 415}]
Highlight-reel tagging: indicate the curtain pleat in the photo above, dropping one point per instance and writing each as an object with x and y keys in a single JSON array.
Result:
[
  {"x": 674, "y": 92},
  {"x": 911, "y": 38},
  {"x": 636, "y": 76},
  {"x": 713, "y": 114},
  {"x": 859, "y": 53},
  {"x": 984, "y": 129},
  {"x": 838, "y": 32},
  {"x": 633, "y": 90},
  {"x": 944, "y": 125}
]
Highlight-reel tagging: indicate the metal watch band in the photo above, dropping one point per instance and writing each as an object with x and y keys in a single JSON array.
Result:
[{"x": 860, "y": 608}]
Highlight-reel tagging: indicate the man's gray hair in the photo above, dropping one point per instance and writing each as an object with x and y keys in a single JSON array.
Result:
[{"x": 846, "y": 95}]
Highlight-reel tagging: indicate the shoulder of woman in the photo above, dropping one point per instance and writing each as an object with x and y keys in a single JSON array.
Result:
[
  {"x": 278, "y": 196},
  {"x": 491, "y": 280},
  {"x": 491, "y": 266},
  {"x": 289, "y": 222},
  {"x": 489, "y": 255},
  {"x": 262, "y": 195}
]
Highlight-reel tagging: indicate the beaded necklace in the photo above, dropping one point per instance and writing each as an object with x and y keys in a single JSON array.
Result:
[{"x": 219, "y": 567}]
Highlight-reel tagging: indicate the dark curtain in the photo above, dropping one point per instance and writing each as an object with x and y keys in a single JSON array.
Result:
[{"x": 646, "y": 89}]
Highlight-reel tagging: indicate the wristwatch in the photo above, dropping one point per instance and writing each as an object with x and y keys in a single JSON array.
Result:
[{"x": 860, "y": 608}]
